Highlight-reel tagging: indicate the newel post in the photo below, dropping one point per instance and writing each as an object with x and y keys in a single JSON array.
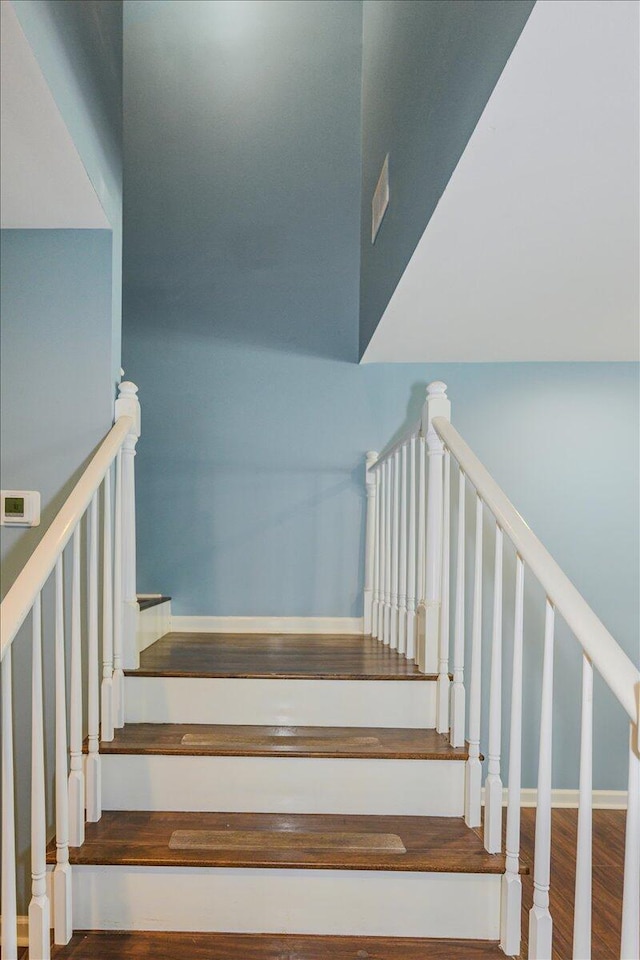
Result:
[
  {"x": 370, "y": 541},
  {"x": 437, "y": 405},
  {"x": 128, "y": 405}
]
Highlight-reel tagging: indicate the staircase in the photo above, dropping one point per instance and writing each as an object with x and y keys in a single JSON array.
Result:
[
  {"x": 322, "y": 807},
  {"x": 300, "y": 797}
]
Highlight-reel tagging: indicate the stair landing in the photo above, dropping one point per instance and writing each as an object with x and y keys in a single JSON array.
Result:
[{"x": 285, "y": 656}]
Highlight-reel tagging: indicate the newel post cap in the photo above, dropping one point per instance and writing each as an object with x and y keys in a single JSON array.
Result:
[
  {"x": 372, "y": 457},
  {"x": 437, "y": 404},
  {"x": 128, "y": 405}
]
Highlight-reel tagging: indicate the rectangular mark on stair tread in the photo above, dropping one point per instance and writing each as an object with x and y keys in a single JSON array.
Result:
[
  {"x": 284, "y": 840},
  {"x": 301, "y": 743}
]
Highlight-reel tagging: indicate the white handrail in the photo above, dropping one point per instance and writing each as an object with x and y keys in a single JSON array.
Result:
[
  {"x": 607, "y": 656},
  {"x": 23, "y": 593}
]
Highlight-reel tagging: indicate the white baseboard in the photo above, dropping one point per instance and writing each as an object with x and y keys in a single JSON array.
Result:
[
  {"x": 23, "y": 930},
  {"x": 351, "y": 626},
  {"x": 601, "y": 799}
]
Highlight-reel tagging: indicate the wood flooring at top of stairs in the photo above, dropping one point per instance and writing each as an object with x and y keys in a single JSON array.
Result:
[
  {"x": 291, "y": 840},
  {"x": 95, "y": 945},
  {"x": 282, "y": 656},
  {"x": 223, "y": 740}
]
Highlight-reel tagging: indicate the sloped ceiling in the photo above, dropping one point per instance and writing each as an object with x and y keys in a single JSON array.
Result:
[
  {"x": 532, "y": 251},
  {"x": 43, "y": 183}
]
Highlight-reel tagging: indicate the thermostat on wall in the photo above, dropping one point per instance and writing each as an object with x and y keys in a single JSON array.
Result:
[{"x": 19, "y": 508}]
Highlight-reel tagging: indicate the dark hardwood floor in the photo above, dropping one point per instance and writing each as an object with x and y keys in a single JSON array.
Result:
[
  {"x": 220, "y": 740},
  {"x": 237, "y": 946},
  {"x": 275, "y": 655}
]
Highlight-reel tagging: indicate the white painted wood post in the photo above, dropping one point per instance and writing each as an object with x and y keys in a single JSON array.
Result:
[
  {"x": 493, "y": 783},
  {"x": 106, "y": 690},
  {"x": 395, "y": 556},
  {"x": 118, "y": 606},
  {"x": 443, "y": 695},
  {"x": 370, "y": 541},
  {"x": 62, "y": 892},
  {"x": 411, "y": 559},
  {"x": 402, "y": 563},
  {"x": 473, "y": 779},
  {"x": 76, "y": 774},
  {"x": 437, "y": 405},
  {"x": 511, "y": 889},
  {"x": 39, "y": 911},
  {"x": 540, "y": 922},
  {"x": 386, "y": 636},
  {"x": 582, "y": 910},
  {"x": 375, "y": 602},
  {"x": 92, "y": 764},
  {"x": 458, "y": 705},
  {"x": 420, "y": 559},
  {"x": 630, "y": 944},
  {"x": 9, "y": 908},
  {"x": 127, "y": 405}
]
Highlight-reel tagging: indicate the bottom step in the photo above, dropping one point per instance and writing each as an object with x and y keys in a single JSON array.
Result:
[{"x": 142, "y": 945}]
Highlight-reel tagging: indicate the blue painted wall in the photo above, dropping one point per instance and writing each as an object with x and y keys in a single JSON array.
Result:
[
  {"x": 56, "y": 404},
  {"x": 78, "y": 46},
  {"x": 428, "y": 70}
]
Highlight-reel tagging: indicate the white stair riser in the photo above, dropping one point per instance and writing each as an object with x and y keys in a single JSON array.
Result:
[
  {"x": 323, "y": 703},
  {"x": 284, "y": 785},
  {"x": 358, "y": 902}
]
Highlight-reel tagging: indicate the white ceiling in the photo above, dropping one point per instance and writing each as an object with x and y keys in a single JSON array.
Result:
[
  {"x": 43, "y": 183},
  {"x": 532, "y": 252}
]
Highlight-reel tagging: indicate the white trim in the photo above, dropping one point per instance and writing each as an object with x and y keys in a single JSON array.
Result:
[
  {"x": 276, "y": 702},
  {"x": 601, "y": 799},
  {"x": 23, "y": 930},
  {"x": 338, "y": 626},
  {"x": 315, "y": 901}
]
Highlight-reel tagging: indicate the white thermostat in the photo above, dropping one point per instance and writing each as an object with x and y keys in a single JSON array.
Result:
[{"x": 19, "y": 508}]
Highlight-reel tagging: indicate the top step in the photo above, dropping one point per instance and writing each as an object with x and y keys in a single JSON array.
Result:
[{"x": 278, "y": 656}]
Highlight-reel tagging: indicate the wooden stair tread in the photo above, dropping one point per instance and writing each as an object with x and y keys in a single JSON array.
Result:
[
  {"x": 432, "y": 844},
  {"x": 274, "y": 656},
  {"x": 142, "y": 945},
  {"x": 219, "y": 740}
]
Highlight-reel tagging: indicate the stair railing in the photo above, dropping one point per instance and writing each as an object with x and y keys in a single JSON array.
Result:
[
  {"x": 77, "y": 784},
  {"x": 407, "y": 607}
]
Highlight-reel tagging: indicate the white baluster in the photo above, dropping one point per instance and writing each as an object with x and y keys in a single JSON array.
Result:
[
  {"x": 420, "y": 560},
  {"x": 437, "y": 405},
  {"x": 106, "y": 691},
  {"x": 411, "y": 549},
  {"x": 127, "y": 405},
  {"x": 442, "y": 723},
  {"x": 62, "y": 894},
  {"x": 375, "y": 605},
  {"x": 39, "y": 925},
  {"x": 493, "y": 783},
  {"x": 402, "y": 562},
  {"x": 387, "y": 551},
  {"x": 370, "y": 548},
  {"x": 458, "y": 708},
  {"x": 540, "y": 922},
  {"x": 473, "y": 781},
  {"x": 582, "y": 910},
  {"x": 118, "y": 675},
  {"x": 76, "y": 775},
  {"x": 9, "y": 909},
  {"x": 511, "y": 899},
  {"x": 395, "y": 529},
  {"x": 92, "y": 767},
  {"x": 630, "y": 944}
]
